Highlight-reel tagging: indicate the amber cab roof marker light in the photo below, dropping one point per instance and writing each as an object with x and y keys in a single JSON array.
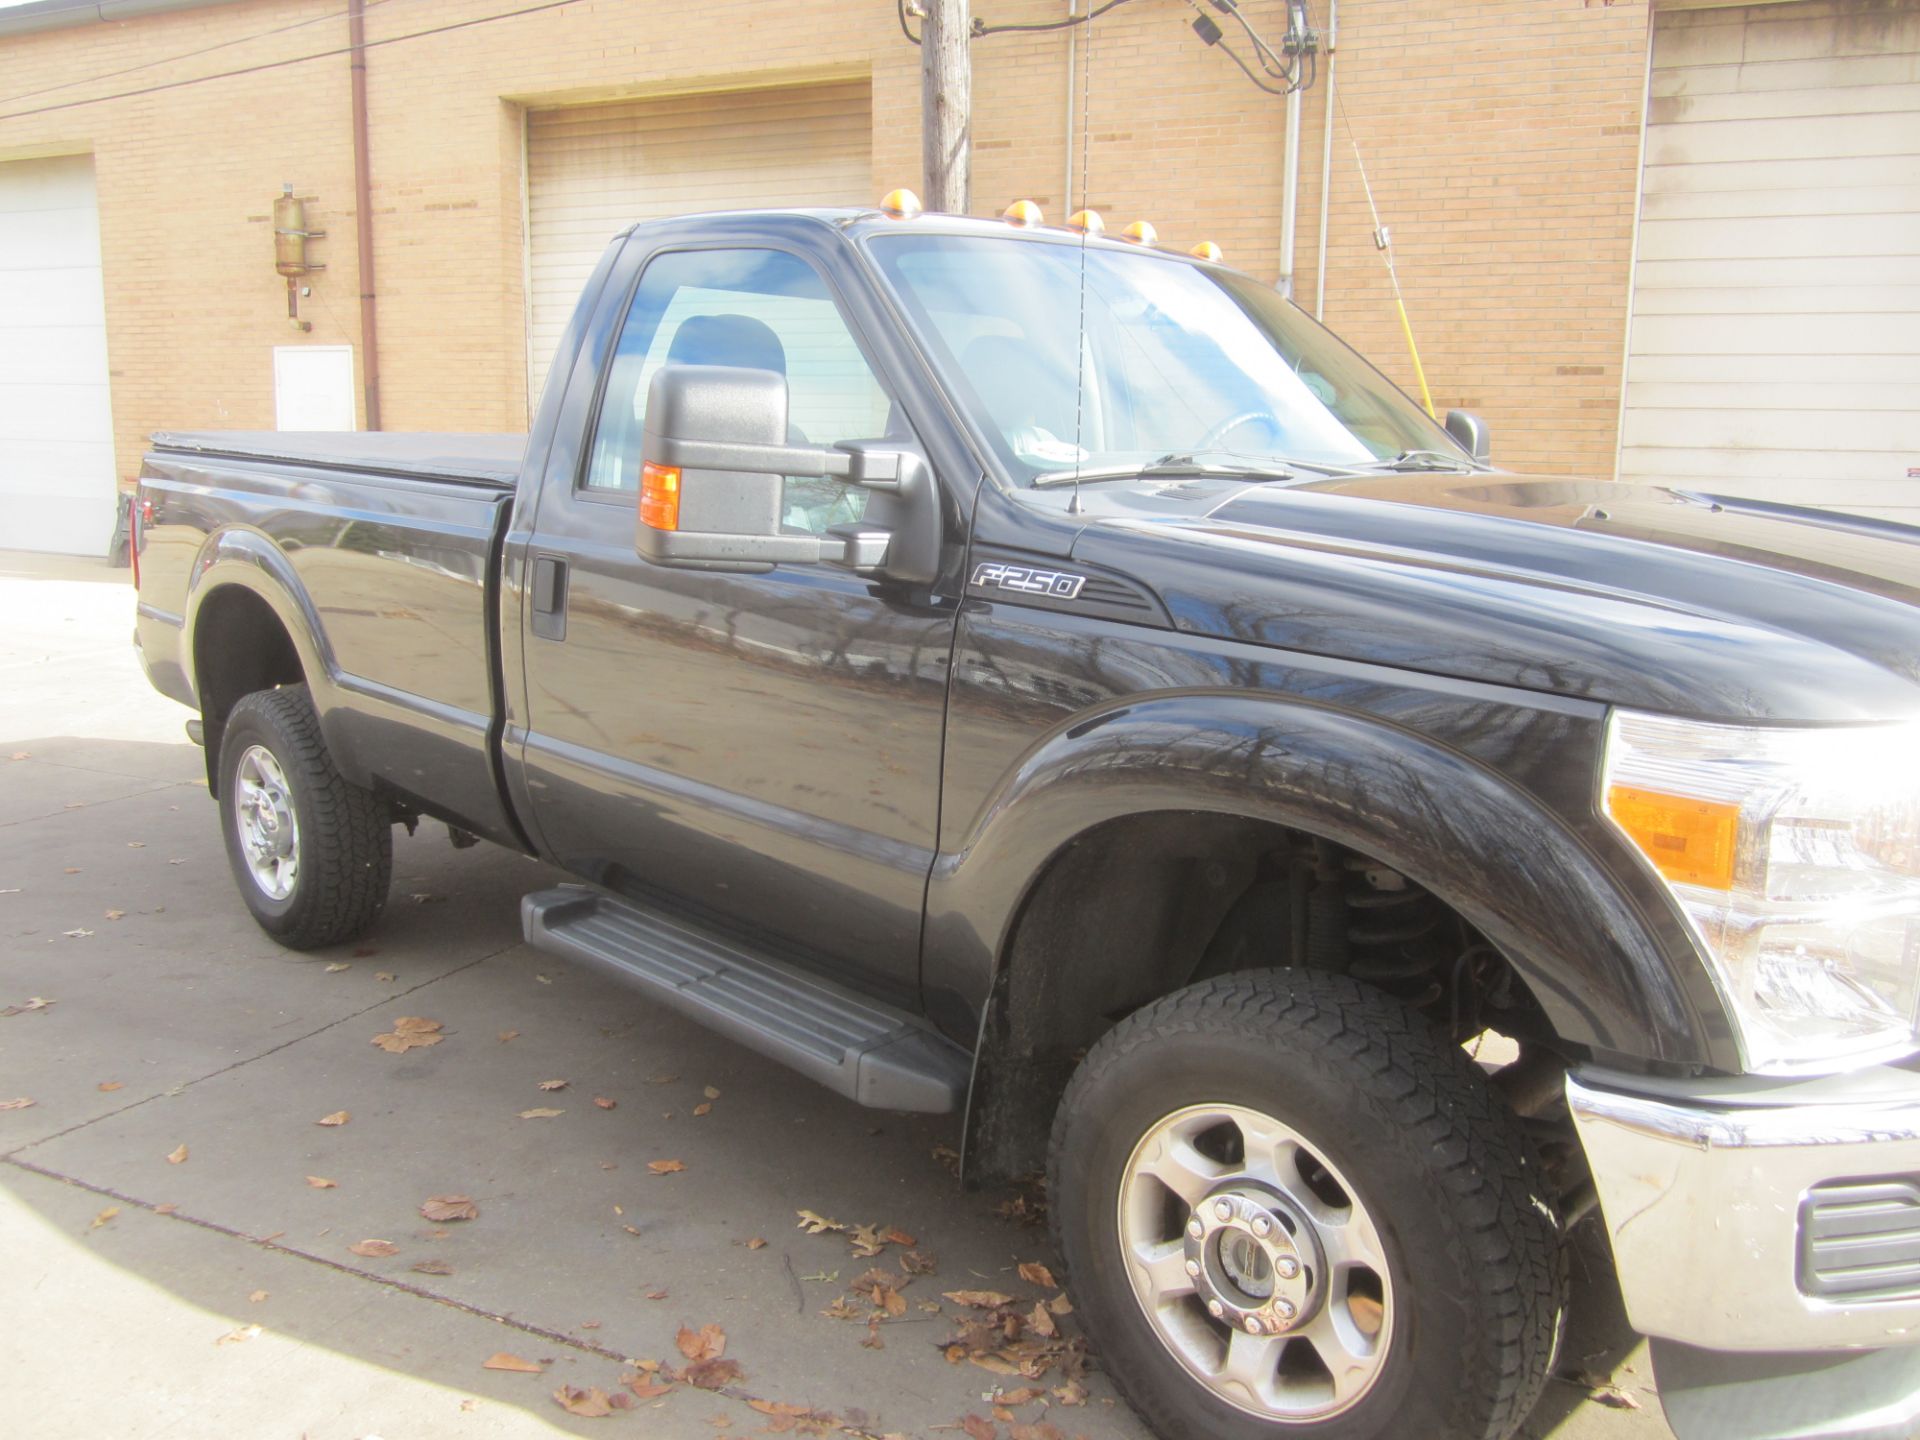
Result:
[
  {"x": 1140, "y": 232},
  {"x": 1023, "y": 213},
  {"x": 1087, "y": 222},
  {"x": 901, "y": 204},
  {"x": 1206, "y": 250}
]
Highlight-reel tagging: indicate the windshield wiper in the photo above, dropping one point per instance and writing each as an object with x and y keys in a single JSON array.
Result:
[{"x": 1177, "y": 464}]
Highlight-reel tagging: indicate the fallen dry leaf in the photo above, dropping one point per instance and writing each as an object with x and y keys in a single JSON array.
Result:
[
  {"x": 71, "y": 870},
  {"x": 648, "y": 1388},
  {"x": 871, "y": 1340},
  {"x": 711, "y": 1374},
  {"x": 442, "y": 1208},
  {"x": 978, "y": 1427},
  {"x": 408, "y": 1032},
  {"x": 603, "y": 1102},
  {"x": 136, "y": 844},
  {"x": 1042, "y": 1430},
  {"x": 386, "y": 975},
  {"x": 506, "y": 1035},
  {"x": 76, "y": 934},
  {"x": 815, "y": 1223},
  {"x": 116, "y": 914},
  {"x": 661, "y": 1079},
  {"x": 978, "y": 1299},
  {"x": 702, "y": 1109},
  {"x": 1060, "y": 1304},
  {"x": 21, "y": 755},
  {"x": 711, "y": 1093},
  {"x": 779, "y": 1407},
  {"x": 338, "y": 1117},
  {"x": 23, "y": 1103},
  {"x": 166, "y": 1209},
  {"x": 433, "y": 1267},
  {"x": 756, "y": 1243},
  {"x": 540, "y": 1113},
  {"x": 177, "y": 1155},
  {"x": 257, "y": 1296},
  {"x": 104, "y": 1216},
  {"x": 337, "y": 966},
  {"x": 1041, "y": 1322},
  {"x": 320, "y": 1182},
  {"x": 36, "y": 1003},
  {"x": 656, "y": 1295},
  {"x": 709, "y": 1342},
  {"x": 107, "y": 1087},
  {"x": 501, "y": 1360},
  {"x": 374, "y": 1249},
  {"x": 235, "y": 1337},
  {"x": 666, "y": 1167},
  {"x": 553, "y": 1084},
  {"x": 1071, "y": 1393},
  {"x": 1034, "y": 1273}
]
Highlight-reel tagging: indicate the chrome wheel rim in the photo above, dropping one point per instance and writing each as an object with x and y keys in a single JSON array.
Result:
[
  {"x": 269, "y": 830},
  {"x": 1256, "y": 1263}
]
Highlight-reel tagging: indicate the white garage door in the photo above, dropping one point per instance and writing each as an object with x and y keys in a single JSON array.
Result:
[
  {"x": 1775, "y": 342},
  {"x": 56, "y": 422},
  {"x": 593, "y": 170}
]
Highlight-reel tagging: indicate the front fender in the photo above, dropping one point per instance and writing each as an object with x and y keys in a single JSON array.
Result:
[{"x": 1601, "y": 947}]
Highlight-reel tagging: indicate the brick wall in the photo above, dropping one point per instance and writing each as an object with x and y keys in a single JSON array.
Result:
[{"x": 1501, "y": 138}]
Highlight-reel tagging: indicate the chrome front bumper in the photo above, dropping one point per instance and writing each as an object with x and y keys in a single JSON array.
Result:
[{"x": 1748, "y": 1215}]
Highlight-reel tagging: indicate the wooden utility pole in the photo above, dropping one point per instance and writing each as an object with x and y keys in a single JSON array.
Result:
[{"x": 946, "y": 106}]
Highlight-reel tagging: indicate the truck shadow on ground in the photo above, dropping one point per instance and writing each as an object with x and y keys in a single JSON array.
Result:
[{"x": 656, "y": 1186}]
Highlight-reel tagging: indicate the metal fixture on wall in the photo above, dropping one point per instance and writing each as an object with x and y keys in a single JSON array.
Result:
[
  {"x": 290, "y": 236},
  {"x": 363, "y": 215}
]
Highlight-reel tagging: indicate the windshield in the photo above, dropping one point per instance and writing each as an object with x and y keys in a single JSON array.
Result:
[{"x": 1174, "y": 362}]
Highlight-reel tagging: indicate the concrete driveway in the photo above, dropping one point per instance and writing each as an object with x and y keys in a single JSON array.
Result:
[{"x": 180, "y": 1230}]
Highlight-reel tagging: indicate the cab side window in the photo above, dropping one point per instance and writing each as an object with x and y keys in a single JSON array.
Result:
[{"x": 762, "y": 309}]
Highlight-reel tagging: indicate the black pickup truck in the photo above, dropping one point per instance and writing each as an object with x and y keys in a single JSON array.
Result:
[{"x": 1014, "y": 672}]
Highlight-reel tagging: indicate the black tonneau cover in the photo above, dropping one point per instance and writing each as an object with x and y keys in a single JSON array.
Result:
[{"x": 489, "y": 460}]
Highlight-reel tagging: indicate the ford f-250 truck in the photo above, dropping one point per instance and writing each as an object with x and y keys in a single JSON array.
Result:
[{"x": 1020, "y": 673}]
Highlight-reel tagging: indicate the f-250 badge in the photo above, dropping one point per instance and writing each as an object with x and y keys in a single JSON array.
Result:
[{"x": 1025, "y": 580}]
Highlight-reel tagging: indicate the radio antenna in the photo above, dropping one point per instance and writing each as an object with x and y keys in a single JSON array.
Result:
[{"x": 1086, "y": 230}]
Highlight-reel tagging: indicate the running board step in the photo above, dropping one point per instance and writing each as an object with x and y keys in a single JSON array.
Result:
[{"x": 868, "y": 1051}]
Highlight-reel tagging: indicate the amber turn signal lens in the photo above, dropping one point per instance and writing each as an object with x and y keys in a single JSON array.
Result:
[
  {"x": 902, "y": 204},
  {"x": 1023, "y": 212},
  {"x": 1205, "y": 250},
  {"x": 1087, "y": 222},
  {"x": 660, "y": 496},
  {"x": 1690, "y": 841}
]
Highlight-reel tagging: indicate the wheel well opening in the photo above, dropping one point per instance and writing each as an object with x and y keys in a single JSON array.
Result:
[
  {"x": 1141, "y": 906},
  {"x": 239, "y": 646}
]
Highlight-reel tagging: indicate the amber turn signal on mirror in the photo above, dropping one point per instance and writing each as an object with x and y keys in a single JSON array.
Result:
[{"x": 660, "y": 496}]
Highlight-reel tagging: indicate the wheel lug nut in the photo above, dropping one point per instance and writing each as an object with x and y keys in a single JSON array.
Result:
[
  {"x": 1286, "y": 1267},
  {"x": 1223, "y": 1209},
  {"x": 1195, "y": 1228},
  {"x": 1215, "y": 1308},
  {"x": 1262, "y": 1225},
  {"x": 1193, "y": 1267},
  {"x": 1253, "y": 1325},
  {"x": 1284, "y": 1309}
]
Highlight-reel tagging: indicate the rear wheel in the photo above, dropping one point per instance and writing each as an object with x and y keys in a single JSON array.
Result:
[
  {"x": 311, "y": 852},
  {"x": 1289, "y": 1209}
]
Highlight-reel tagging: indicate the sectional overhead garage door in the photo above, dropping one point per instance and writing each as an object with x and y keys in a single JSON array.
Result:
[
  {"x": 56, "y": 423},
  {"x": 1775, "y": 342},
  {"x": 592, "y": 170}
]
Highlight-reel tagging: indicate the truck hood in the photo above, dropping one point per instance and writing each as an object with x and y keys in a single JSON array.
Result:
[{"x": 1645, "y": 596}]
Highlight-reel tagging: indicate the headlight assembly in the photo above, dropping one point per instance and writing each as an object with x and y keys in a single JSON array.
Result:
[{"x": 1796, "y": 856}]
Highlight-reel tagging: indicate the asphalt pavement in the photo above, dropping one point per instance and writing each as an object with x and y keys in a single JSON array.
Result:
[{"x": 191, "y": 1250}]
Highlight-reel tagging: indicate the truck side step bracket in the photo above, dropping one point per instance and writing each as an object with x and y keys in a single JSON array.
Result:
[{"x": 868, "y": 1051}]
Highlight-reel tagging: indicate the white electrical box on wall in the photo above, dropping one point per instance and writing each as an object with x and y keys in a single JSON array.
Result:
[{"x": 313, "y": 387}]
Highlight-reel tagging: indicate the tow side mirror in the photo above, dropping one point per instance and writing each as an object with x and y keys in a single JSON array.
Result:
[
  {"x": 714, "y": 461},
  {"x": 1472, "y": 434}
]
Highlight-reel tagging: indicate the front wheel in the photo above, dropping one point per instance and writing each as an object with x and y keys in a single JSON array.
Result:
[
  {"x": 1289, "y": 1208},
  {"x": 311, "y": 852}
]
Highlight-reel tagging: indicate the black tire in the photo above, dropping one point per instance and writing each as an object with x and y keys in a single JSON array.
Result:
[
  {"x": 1453, "y": 1187},
  {"x": 345, "y": 834}
]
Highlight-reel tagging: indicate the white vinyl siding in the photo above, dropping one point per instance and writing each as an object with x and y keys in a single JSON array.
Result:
[
  {"x": 56, "y": 420},
  {"x": 593, "y": 170},
  {"x": 1775, "y": 343}
]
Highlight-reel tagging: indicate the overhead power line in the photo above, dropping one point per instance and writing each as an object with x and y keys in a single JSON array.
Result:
[{"x": 293, "y": 60}]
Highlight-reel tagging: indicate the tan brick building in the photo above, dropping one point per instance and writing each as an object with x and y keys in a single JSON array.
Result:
[{"x": 1503, "y": 140}]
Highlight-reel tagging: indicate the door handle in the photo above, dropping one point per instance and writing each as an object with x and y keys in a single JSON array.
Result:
[{"x": 549, "y": 597}]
